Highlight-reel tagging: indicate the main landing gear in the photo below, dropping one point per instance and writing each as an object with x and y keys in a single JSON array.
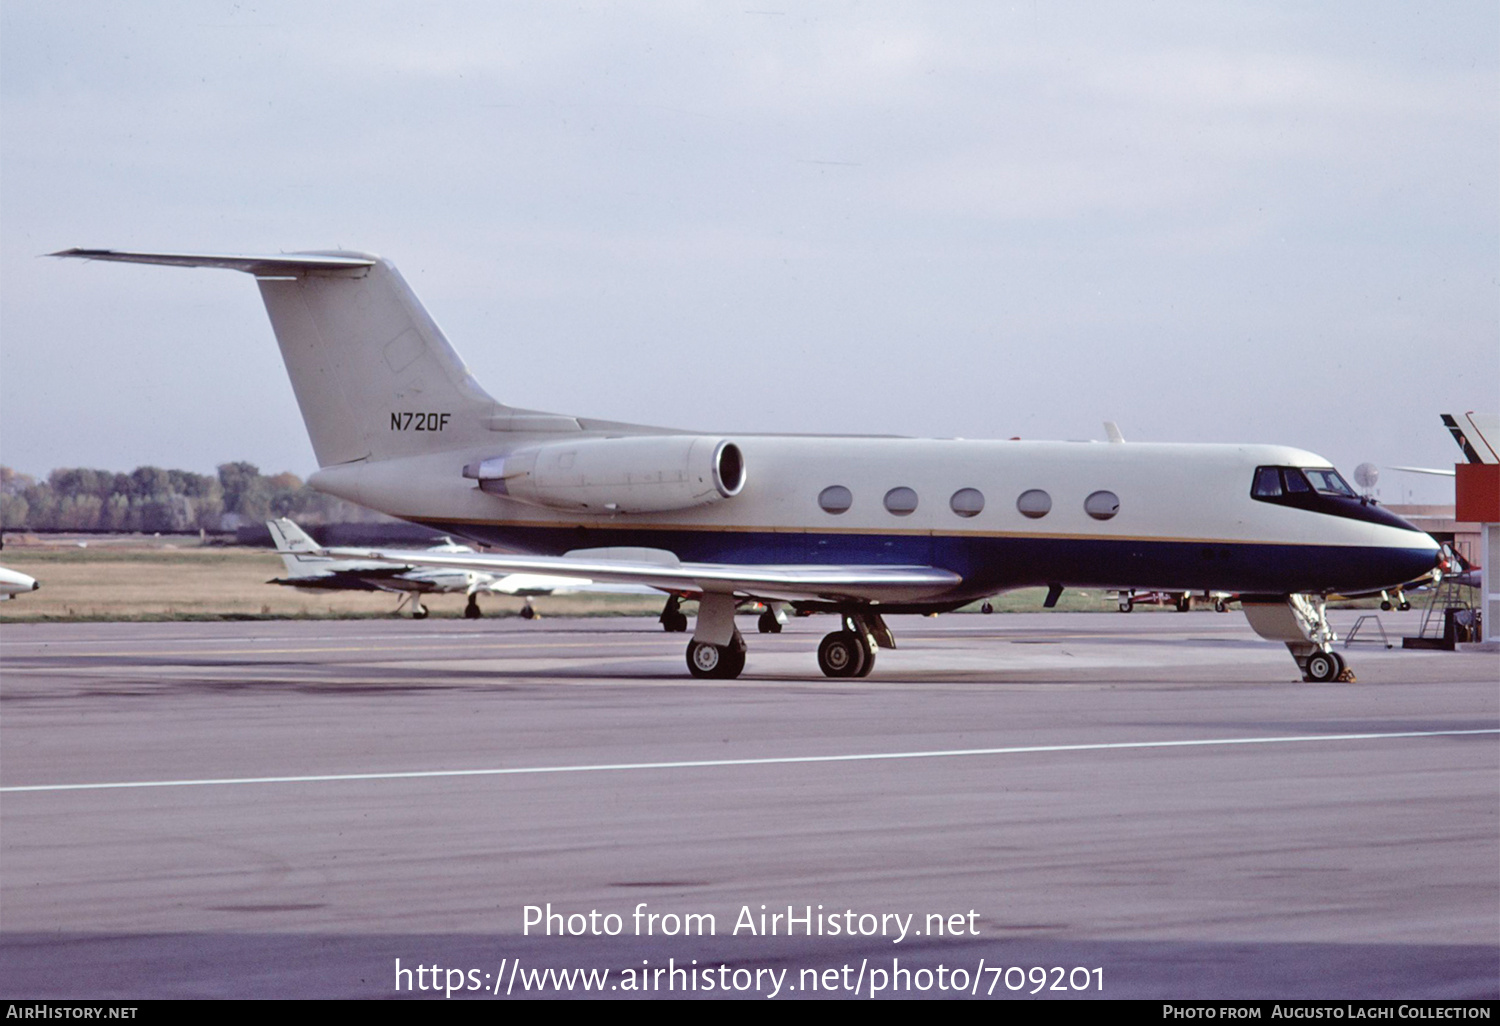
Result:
[
  {"x": 1301, "y": 622},
  {"x": 673, "y": 620},
  {"x": 418, "y": 611},
  {"x": 720, "y": 662},
  {"x": 771, "y": 618},
  {"x": 717, "y": 650},
  {"x": 471, "y": 610},
  {"x": 846, "y": 653}
]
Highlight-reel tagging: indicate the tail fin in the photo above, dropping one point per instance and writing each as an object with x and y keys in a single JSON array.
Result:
[
  {"x": 373, "y": 374},
  {"x": 297, "y": 549}
]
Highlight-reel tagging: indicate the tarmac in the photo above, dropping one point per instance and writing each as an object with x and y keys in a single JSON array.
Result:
[{"x": 1143, "y": 806}]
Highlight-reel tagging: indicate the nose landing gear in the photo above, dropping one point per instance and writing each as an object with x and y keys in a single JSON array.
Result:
[
  {"x": 1323, "y": 667},
  {"x": 1300, "y": 622}
]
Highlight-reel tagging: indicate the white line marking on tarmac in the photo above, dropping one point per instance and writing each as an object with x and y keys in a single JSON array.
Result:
[{"x": 771, "y": 761}]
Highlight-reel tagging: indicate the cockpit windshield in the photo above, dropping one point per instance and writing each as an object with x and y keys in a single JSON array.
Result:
[
  {"x": 1317, "y": 490},
  {"x": 1275, "y": 482},
  {"x": 1329, "y": 482}
]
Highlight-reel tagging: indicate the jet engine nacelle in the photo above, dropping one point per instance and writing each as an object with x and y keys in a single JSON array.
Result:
[{"x": 635, "y": 474}]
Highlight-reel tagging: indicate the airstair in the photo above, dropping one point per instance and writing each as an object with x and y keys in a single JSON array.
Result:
[{"x": 1450, "y": 618}]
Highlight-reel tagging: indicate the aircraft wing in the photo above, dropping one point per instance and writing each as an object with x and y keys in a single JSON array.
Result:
[
  {"x": 1425, "y": 470},
  {"x": 529, "y": 585},
  {"x": 365, "y": 579},
  {"x": 784, "y": 583}
]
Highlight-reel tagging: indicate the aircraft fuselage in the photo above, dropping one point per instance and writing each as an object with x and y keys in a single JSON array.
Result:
[{"x": 1185, "y": 517}]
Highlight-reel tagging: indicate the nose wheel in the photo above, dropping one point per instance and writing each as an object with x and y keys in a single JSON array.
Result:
[{"x": 1323, "y": 667}]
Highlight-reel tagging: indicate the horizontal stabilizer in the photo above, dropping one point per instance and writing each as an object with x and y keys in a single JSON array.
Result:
[{"x": 281, "y": 264}]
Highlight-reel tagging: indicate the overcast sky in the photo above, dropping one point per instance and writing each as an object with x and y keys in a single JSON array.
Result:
[{"x": 1251, "y": 222}]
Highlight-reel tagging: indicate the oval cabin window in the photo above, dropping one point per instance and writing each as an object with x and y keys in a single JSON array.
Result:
[
  {"x": 967, "y": 502},
  {"x": 901, "y": 502},
  {"x": 835, "y": 499},
  {"x": 1102, "y": 505},
  {"x": 1034, "y": 503}
]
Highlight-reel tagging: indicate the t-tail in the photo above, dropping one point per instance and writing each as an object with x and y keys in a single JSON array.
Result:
[
  {"x": 374, "y": 376},
  {"x": 303, "y": 556}
]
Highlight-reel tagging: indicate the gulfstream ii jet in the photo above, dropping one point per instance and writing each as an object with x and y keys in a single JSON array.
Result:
[{"x": 856, "y": 527}]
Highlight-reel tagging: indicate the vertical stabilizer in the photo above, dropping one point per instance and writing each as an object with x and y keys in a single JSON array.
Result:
[
  {"x": 297, "y": 549},
  {"x": 374, "y": 376}
]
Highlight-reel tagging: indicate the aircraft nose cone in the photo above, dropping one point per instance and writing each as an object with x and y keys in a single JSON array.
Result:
[{"x": 1418, "y": 558}]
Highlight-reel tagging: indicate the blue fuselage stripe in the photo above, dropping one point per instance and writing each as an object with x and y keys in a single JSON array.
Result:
[{"x": 989, "y": 564}]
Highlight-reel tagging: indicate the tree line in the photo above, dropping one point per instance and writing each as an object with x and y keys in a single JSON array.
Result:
[{"x": 151, "y": 499}]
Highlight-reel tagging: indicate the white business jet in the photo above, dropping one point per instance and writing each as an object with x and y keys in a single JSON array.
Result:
[
  {"x": 855, "y": 527},
  {"x": 308, "y": 568}
]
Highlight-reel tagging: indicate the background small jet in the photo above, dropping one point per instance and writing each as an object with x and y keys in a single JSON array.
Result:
[
  {"x": 307, "y": 569},
  {"x": 13, "y": 583}
]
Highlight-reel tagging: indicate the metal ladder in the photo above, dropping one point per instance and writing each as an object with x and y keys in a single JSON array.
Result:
[
  {"x": 1447, "y": 595},
  {"x": 1349, "y": 638}
]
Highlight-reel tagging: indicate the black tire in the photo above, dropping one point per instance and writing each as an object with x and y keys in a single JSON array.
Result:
[
  {"x": 471, "y": 611},
  {"x": 842, "y": 654},
  {"x": 767, "y": 623},
  {"x": 987, "y": 609},
  {"x": 734, "y": 663},
  {"x": 1185, "y": 604},
  {"x": 419, "y": 612},
  {"x": 674, "y": 623},
  {"x": 1323, "y": 667},
  {"x": 869, "y": 665},
  {"x": 714, "y": 662},
  {"x": 1126, "y": 606},
  {"x": 1385, "y": 607},
  {"x": 1404, "y": 606},
  {"x": 527, "y": 613},
  {"x": 1220, "y": 606}
]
